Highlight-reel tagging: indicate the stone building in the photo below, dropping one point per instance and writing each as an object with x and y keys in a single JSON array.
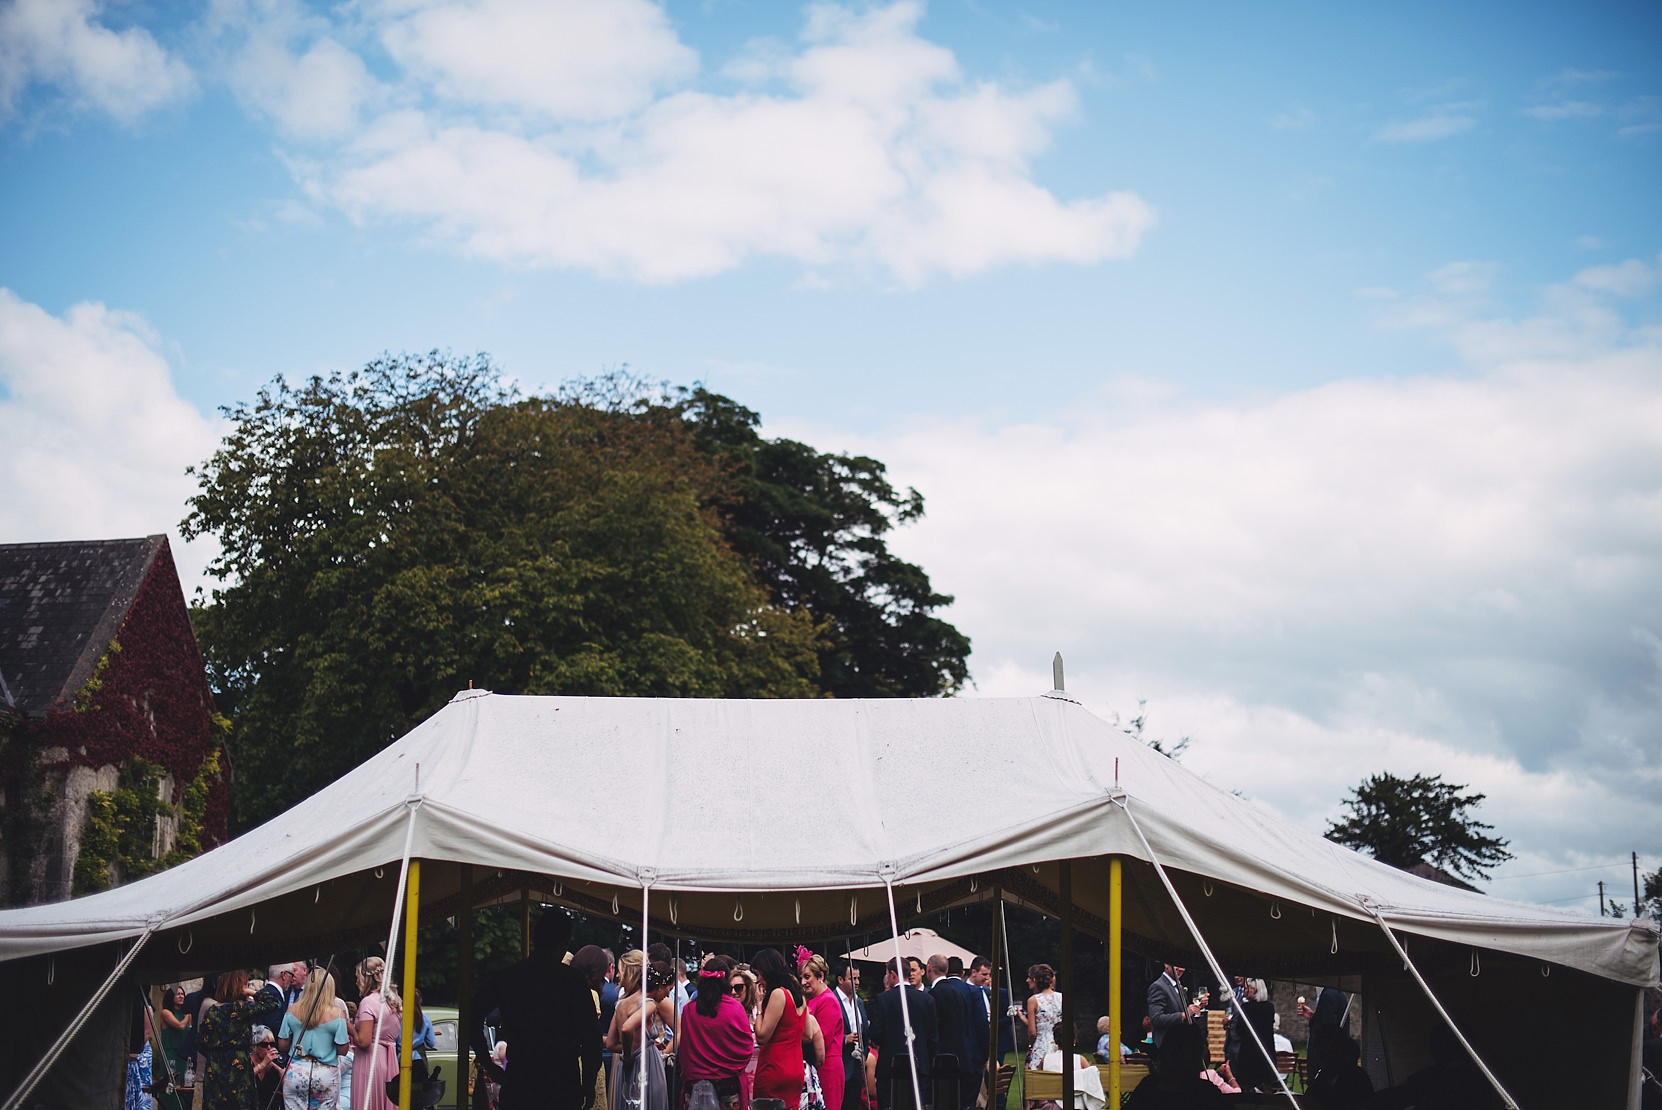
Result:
[{"x": 112, "y": 758}]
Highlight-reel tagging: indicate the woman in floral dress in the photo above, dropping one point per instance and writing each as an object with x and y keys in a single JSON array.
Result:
[{"x": 224, "y": 1040}]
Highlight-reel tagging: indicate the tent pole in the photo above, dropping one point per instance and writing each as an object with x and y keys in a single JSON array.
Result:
[
  {"x": 1010, "y": 984},
  {"x": 1205, "y": 949},
  {"x": 905, "y": 1007},
  {"x": 464, "y": 987},
  {"x": 646, "y": 966},
  {"x": 993, "y": 1014},
  {"x": 1511, "y": 1102},
  {"x": 414, "y": 804},
  {"x": 525, "y": 922},
  {"x": 1116, "y": 925},
  {"x": 412, "y": 921},
  {"x": 1064, "y": 885},
  {"x": 38, "y": 1072}
]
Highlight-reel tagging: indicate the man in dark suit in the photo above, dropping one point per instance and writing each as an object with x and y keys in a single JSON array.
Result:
[
  {"x": 548, "y": 1016},
  {"x": 1167, "y": 1007},
  {"x": 856, "y": 1037},
  {"x": 888, "y": 1034},
  {"x": 957, "y": 1008},
  {"x": 981, "y": 978}
]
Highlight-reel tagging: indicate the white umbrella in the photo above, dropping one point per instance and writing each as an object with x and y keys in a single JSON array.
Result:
[{"x": 922, "y": 943}]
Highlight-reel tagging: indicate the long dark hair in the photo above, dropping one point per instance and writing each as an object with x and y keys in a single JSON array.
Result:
[
  {"x": 774, "y": 971},
  {"x": 710, "y": 989}
]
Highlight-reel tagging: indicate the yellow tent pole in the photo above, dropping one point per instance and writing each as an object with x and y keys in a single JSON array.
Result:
[
  {"x": 412, "y": 917},
  {"x": 1116, "y": 921}
]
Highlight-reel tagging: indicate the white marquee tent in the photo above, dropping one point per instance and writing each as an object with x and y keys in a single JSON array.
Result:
[{"x": 800, "y": 819}]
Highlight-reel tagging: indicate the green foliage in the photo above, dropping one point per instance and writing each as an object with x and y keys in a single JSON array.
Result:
[
  {"x": 120, "y": 829},
  {"x": 813, "y": 525},
  {"x": 1404, "y": 821},
  {"x": 390, "y": 535}
]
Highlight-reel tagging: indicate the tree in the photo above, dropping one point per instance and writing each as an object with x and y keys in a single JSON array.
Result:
[
  {"x": 391, "y": 535},
  {"x": 1403, "y": 822},
  {"x": 813, "y": 525}
]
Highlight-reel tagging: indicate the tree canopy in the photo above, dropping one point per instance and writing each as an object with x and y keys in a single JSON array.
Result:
[
  {"x": 393, "y": 534},
  {"x": 1403, "y": 822}
]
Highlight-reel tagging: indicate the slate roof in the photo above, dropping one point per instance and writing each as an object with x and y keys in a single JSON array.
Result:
[{"x": 60, "y": 606}]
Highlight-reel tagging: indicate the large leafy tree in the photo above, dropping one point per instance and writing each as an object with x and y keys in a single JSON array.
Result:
[
  {"x": 814, "y": 525},
  {"x": 1404, "y": 821},
  {"x": 391, "y": 535}
]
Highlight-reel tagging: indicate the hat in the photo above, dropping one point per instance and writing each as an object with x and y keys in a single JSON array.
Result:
[
  {"x": 261, "y": 1035},
  {"x": 1102, "y": 1025}
]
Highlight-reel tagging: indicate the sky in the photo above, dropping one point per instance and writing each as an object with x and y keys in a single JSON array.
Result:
[{"x": 1294, "y": 369}]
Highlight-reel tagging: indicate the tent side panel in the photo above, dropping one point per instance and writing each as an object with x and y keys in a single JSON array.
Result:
[
  {"x": 92, "y": 1072},
  {"x": 1554, "y": 1041}
]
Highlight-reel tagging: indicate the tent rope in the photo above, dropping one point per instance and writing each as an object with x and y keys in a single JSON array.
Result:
[
  {"x": 38, "y": 1072},
  {"x": 905, "y": 1008},
  {"x": 414, "y": 805},
  {"x": 1206, "y": 950},
  {"x": 1369, "y": 905},
  {"x": 1010, "y": 988}
]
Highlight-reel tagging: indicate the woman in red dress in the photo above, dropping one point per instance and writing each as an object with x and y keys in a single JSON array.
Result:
[
  {"x": 822, "y": 1004},
  {"x": 779, "y": 1032}
]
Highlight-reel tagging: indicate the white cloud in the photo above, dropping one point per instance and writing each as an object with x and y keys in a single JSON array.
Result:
[
  {"x": 1565, "y": 109},
  {"x": 318, "y": 94},
  {"x": 60, "y": 42},
  {"x": 1631, "y": 278},
  {"x": 563, "y": 59},
  {"x": 1459, "y": 576},
  {"x": 96, "y": 440},
  {"x": 865, "y": 146},
  {"x": 1464, "y": 279},
  {"x": 1443, "y": 123}
]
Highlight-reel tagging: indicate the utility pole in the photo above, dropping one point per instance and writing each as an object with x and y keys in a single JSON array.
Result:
[
  {"x": 1635, "y": 884},
  {"x": 1601, "y": 898}
]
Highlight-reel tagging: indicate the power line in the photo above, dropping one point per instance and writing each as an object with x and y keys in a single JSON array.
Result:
[{"x": 1565, "y": 871}]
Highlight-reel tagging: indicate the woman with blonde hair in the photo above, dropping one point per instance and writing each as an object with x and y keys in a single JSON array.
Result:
[
  {"x": 314, "y": 1035},
  {"x": 376, "y": 1057},
  {"x": 640, "y": 1003}
]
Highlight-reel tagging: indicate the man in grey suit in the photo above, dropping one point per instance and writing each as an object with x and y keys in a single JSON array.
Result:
[{"x": 1166, "y": 1006}]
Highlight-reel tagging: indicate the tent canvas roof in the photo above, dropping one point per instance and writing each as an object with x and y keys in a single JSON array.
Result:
[{"x": 782, "y": 818}]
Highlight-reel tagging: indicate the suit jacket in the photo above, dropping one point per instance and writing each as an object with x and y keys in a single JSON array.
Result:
[
  {"x": 855, "y": 1021},
  {"x": 548, "y": 1014},
  {"x": 1165, "y": 1008},
  {"x": 888, "y": 1030},
  {"x": 953, "y": 999},
  {"x": 1006, "y": 1024}
]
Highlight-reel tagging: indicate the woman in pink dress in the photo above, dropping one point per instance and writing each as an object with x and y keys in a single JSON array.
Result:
[
  {"x": 716, "y": 1038},
  {"x": 822, "y": 1003},
  {"x": 779, "y": 1032},
  {"x": 373, "y": 1050}
]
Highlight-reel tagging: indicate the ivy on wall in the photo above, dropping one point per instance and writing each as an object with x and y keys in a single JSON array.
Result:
[{"x": 118, "y": 839}]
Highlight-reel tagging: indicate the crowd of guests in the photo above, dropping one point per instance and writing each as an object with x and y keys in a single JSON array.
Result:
[
  {"x": 290, "y": 1041},
  {"x": 642, "y": 1032}
]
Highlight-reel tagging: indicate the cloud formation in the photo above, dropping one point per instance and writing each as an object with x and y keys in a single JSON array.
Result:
[
  {"x": 96, "y": 441},
  {"x": 574, "y": 136},
  {"x": 1456, "y": 575},
  {"x": 1443, "y": 122},
  {"x": 62, "y": 44}
]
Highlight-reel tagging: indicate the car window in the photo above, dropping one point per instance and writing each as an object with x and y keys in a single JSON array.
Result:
[{"x": 444, "y": 1036}]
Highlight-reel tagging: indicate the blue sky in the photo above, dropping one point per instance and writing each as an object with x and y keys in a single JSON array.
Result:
[{"x": 1295, "y": 367}]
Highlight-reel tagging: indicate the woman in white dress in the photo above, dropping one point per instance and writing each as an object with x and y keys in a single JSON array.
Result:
[{"x": 1044, "y": 1010}]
